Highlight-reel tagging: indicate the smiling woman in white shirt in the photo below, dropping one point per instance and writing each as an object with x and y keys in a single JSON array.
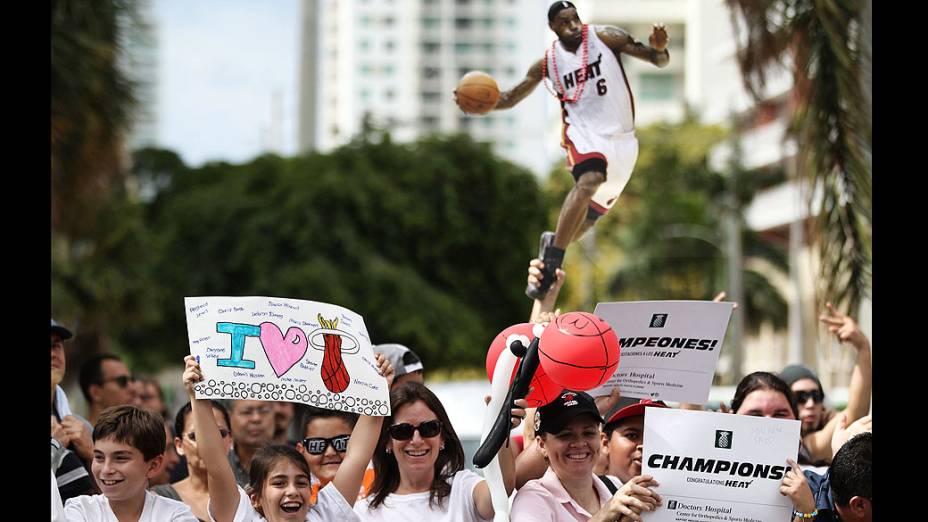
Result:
[{"x": 419, "y": 465}]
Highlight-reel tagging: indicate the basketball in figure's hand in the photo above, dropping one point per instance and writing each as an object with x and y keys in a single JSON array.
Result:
[{"x": 477, "y": 93}]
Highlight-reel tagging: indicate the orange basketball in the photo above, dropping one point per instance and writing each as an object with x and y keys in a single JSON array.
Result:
[{"x": 477, "y": 93}]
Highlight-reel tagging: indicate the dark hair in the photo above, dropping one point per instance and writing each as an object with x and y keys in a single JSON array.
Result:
[
  {"x": 449, "y": 461},
  {"x": 851, "y": 470},
  {"x": 557, "y": 7},
  {"x": 312, "y": 413},
  {"x": 180, "y": 420},
  {"x": 137, "y": 427},
  {"x": 763, "y": 381},
  {"x": 265, "y": 459},
  {"x": 92, "y": 373}
]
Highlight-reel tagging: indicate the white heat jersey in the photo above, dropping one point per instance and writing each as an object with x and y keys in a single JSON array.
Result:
[{"x": 606, "y": 106}]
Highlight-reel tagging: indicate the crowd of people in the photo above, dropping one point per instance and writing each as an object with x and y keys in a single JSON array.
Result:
[{"x": 577, "y": 458}]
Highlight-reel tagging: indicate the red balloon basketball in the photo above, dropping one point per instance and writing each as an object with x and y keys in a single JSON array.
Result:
[
  {"x": 579, "y": 351},
  {"x": 544, "y": 389}
]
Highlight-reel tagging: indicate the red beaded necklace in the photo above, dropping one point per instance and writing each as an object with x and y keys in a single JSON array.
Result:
[{"x": 585, "y": 59}]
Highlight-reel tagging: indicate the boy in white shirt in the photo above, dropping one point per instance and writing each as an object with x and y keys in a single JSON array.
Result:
[{"x": 128, "y": 450}]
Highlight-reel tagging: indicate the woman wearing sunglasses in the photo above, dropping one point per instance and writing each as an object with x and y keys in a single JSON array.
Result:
[
  {"x": 194, "y": 490},
  {"x": 419, "y": 465},
  {"x": 327, "y": 433}
]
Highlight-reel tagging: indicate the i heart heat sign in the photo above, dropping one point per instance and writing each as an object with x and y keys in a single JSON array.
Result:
[{"x": 280, "y": 349}]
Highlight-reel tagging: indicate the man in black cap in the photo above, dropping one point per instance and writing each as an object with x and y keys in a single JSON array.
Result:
[
  {"x": 72, "y": 431},
  {"x": 72, "y": 446}
]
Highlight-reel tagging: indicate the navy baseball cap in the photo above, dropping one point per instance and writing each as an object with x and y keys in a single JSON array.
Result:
[{"x": 62, "y": 332}]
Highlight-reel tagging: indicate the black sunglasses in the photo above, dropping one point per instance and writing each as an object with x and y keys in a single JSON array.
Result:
[
  {"x": 317, "y": 445},
  {"x": 405, "y": 430},
  {"x": 816, "y": 396},
  {"x": 122, "y": 381},
  {"x": 222, "y": 433}
]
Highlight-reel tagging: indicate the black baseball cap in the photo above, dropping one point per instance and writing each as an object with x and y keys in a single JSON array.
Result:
[
  {"x": 62, "y": 332},
  {"x": 552, "y": 417}
]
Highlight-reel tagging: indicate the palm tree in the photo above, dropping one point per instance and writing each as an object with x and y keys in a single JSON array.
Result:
[
  {"x": 90, "y": 109},
  {"x": 91, "y": 106},
  {"x": 824, "y": 42}
]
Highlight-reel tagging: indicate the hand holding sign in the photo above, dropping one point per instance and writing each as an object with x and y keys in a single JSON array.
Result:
[
  {"x": 797, "y": 489},
  {"x": 634, "y": 497},
  {"x": 192, "y": 375}
]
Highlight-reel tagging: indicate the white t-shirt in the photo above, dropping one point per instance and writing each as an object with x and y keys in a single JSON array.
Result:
[
  {"x": 330, "y": 505},
  {"x": 96, "y": 508},
  {"x": 414, "y": 507}
]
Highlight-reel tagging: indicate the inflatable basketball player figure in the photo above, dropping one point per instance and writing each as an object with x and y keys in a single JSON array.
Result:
[{"x": 584, "y": 67}]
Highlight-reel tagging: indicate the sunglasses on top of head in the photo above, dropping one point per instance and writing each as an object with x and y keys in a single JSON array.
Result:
[
  {"x": 317, "y": 445},
  {"x": 405, "y": 430}
]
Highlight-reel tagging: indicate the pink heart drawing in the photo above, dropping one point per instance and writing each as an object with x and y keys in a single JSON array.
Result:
[{"x": 283, "y": 351}]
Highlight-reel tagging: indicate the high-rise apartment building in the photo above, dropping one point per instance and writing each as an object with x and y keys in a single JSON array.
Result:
[
  {"x": 395, "y": 63},
  {"x": 140, "y": 63}
]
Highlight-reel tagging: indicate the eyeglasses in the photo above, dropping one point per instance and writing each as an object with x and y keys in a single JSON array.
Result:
[
  {"x": 816, "y": 395},
  {"x": 261, "y": 410},
  {"x": 222, "y": 433},
  {"x": 122, "y": 381},
  {"x": 317, "y": 445},
  {"x": 405, "y": 430}
]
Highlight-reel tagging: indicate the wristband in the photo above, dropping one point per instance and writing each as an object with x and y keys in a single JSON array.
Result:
[{"x": 800, "y": 514}]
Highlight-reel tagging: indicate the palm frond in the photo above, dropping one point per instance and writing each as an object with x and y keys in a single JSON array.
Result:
[{"x": 831, "y": 124}]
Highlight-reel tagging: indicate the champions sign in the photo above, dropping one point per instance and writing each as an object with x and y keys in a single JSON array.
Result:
[
  {"x": 718, "y": 466},
  {"x": 669, "y": 348}
]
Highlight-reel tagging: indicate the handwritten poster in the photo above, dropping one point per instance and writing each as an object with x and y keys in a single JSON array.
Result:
[
  {"x": 718, "y": 466},
  {"x": 669, "y": 348},
  {"x": 277, "y": 349}
]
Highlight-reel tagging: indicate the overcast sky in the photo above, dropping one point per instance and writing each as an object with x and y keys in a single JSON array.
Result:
[{"x": 221, "y": 63}]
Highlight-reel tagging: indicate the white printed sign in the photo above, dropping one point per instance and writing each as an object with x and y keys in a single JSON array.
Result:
[
  {"x": 277, "y": 349},
  {"x": 669, "y": 348},
  {"x": 718, "y": 466}
]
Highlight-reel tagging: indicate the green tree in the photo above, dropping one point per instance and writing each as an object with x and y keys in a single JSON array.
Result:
[
  {"x": 664, "y": 239},
  {"x": 826, "y": 41},
  {"x": 426, "y": 240}
]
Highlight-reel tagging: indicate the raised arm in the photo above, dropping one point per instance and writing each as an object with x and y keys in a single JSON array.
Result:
[
  {"x": 508, "y": 99},
  {"x": 543, "y": 309},
  {"x": 361, "y": 445},
  {"x": 858, "y": 399},
  {"x": 621, "y": 42},
  {"x": 223, "y": 491}
]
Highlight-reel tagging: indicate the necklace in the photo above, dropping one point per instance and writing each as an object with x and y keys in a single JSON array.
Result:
[{"x": 585, "y": 58}]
